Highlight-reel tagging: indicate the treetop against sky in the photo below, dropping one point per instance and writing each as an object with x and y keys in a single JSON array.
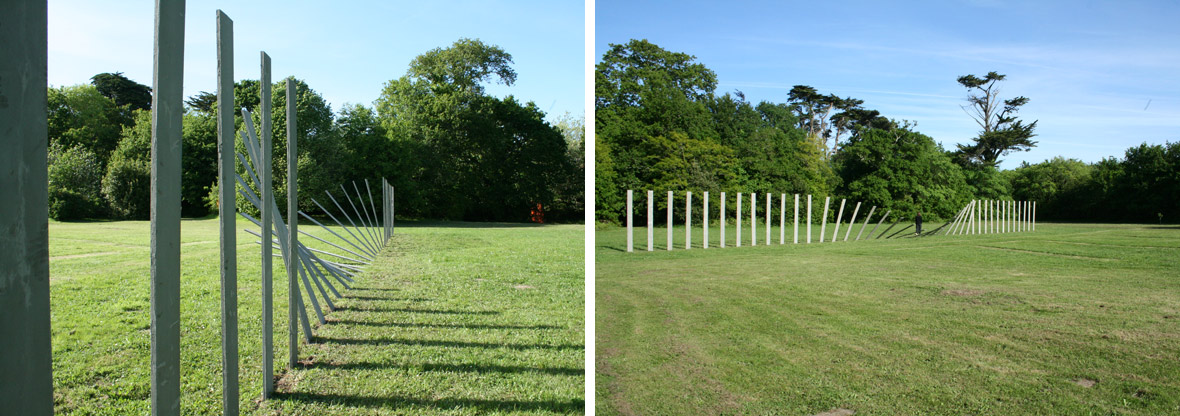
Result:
[
  {"x": 345, "y": 50},
  {"x": 1099, "y": 77}
]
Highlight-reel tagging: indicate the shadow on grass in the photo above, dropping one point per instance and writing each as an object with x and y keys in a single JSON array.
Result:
[
  {"x": 415, "y": 310},
  {"x": 396, "y": 402},
  {"x": 350, "y": 296},
  {"x": 441, "y": 343},
  {"x": 449, "y": 368},
  {"x": 463, "y": 326}
]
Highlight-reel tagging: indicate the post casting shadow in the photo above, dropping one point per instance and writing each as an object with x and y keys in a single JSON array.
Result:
[
  {"x": 398, "y": 402},
  {"x": 414, "y": 310},
  {"x": 441, "y": 343},
  {"x": 470, "y": 368},
  {"x": 463, "y": 326}
]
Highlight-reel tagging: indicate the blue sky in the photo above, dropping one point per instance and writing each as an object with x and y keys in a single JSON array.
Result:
[
  {"x": 345, "y": 50},
  {"x": 1089, "y": 68}
]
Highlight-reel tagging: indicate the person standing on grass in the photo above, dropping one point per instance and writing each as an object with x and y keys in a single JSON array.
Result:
[{"x": 918, "y": 223}]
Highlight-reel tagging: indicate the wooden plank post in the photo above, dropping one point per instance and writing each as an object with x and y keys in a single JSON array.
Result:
[
  {"x": 26, "y": 365},
  {"x": 226, "y": 201},
  {"x": 167, "y": 111},
  {"x": 294, "y": 299},
  {"x": 267, "y": 209},
  {"x": 630, "y": 225}
]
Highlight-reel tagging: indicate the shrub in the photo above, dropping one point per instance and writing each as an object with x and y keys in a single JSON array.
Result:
[{"x": 75, "y": 178}]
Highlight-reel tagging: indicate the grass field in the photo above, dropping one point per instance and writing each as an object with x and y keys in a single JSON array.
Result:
[
  {"x": 454, "y": 318},
  {"x": 1071, "y": 319}
]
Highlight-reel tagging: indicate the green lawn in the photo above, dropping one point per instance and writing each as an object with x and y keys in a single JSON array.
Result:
[
  {"x": 454, "y": 318},
  {"x": 1071, "y": 319}
]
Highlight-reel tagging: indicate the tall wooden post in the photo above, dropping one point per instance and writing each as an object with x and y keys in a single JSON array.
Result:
[
  {"x": 688, "y": 220},
  {"x": 226, "y": 200},
  {"x": 650, "y": 221},
  {"x": 721, "y": 216},
  {"x": 669, "y": 220},
  {"x": 705, "y": 221},
  {"x": 823, "y": 228},
  {"x": 267, "y": 212},
  {"x": 293, "y": 298},
  {"x": 26, "y": 366},
  {"x": 167, "y": 110},
  {"x": 738, "y": 220}
]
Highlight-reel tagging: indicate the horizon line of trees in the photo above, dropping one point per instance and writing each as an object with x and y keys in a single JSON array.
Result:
[
  {"x": 661, "y": 125},
  {"x": 451, "y": 150}
]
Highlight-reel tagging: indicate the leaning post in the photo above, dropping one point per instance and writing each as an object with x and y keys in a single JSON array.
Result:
[
  {"x": 167, "y": 110},
  {"x": 26, "y": 364},
  {"x": 852, "y": 221},
  {"x": 824, "y": 220},
  {"x": 839, "y": 217}
]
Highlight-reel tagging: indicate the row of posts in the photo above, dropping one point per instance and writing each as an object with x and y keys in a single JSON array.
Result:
[
  {"x": 989, "y": 216},
  {"x": 753, "y": 220}
]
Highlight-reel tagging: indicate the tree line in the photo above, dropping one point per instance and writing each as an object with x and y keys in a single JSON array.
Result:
[
  {"x": 451, "y": 150},
  {"x": 661, "y": 125}
]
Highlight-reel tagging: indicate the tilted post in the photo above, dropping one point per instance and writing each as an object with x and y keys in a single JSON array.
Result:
[
  {"x": 167, "y": 111},
  {"x": 839, "y": 218},
  {"x": 852, "y": 221},
  {"x": 823, "y": 228},
  {"x": 226, "y": 201},
  {"x": 866, "y": 224},
  {"x": 26, "y": 364}
]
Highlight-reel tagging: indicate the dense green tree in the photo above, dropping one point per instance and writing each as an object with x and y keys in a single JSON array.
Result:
[
  {"x": 81, "y": 116},
  {"x": 570, "y": 192},
  {"x": 203, "y": 101},
  {"x": 127, "y": 182},
  {"x": 123, "y": 91},
  {"x": 1060, "y": 187},
  {"x": 902, "y": 171},
  {"x": 199, "y": 159},
  {"x": 75, "y": 183},
  {"x": 474, "y": 156},
  {"x": 1002, "y": 132}
]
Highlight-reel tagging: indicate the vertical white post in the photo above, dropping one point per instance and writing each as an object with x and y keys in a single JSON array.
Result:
[
  {"x": 852, "y": 221},
  {"x": 796, "y": 219},
  {"x": 688, "y": 220},
  {"x": 808, "y": 218},
  {"x": 1034, "y": 215},
  {"x": 669, "y": 220},
  {"x": 971, "y": 220},
  {"x": 782, "y": 219},
  {"x": 839, "y": 217},
  {"x": 721, "y": 216},
  {"x": 823, "y": 228},
  {"x": 705, "y": 221},
  {"x": 753, "y": 219},
  {"x": 767, "y": 240},
  {"x": 630, "y": 237},
  {"x": 738, "y": 216},
  {"x": 651, "y": 200}
]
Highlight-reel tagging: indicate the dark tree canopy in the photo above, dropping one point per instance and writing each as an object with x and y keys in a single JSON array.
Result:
[{"x": 123, "y": 91}]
